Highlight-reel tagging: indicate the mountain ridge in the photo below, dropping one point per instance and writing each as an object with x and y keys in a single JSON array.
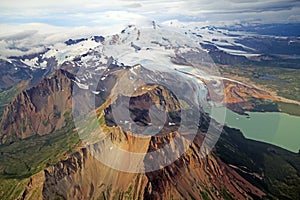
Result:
[
  {"x": 78, "y": 173},
  {"x": 40, "y": 109}
]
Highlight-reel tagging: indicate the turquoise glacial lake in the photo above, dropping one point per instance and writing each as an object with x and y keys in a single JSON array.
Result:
[{"x": 276, "y": 128}]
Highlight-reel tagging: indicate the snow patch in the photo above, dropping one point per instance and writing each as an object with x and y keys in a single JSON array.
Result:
[{"x": 82, "y": 86}]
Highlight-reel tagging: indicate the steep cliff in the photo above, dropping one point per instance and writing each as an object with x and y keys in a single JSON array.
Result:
[
  {"x": 82, "y": 176},
  {"x": 79, "y": 173},
  {"x": 39, "y": 110}
]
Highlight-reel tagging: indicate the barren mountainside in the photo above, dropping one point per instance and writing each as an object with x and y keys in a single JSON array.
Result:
[
  {"x": 78, "y": 174},
  {"x": 39, "y": 110}
]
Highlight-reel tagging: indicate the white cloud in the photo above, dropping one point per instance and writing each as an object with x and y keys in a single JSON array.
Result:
[
  {"x": 56, "y": 21},
  {"x": 294, "y": 18},
  {"x": 82, "y": 12},
  {"x": 25, "y": 39}
]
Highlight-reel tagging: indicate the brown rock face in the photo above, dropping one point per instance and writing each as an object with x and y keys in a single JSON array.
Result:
[
  {"x": 239, "y": 93},
  {"x": 195, "y": 177},
  {"x": 241, "y": 98},
  {"x": 80, "y": 175},
  {"x": 39, "y": 110}
]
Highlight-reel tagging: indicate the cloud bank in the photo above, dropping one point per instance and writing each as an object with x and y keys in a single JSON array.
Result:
[
  {"x": 30, "y": 26},
  {"x": 95, "y": 12}
]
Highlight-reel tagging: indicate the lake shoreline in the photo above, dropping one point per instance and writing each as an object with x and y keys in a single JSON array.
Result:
[{"x": 276, "y": 128}]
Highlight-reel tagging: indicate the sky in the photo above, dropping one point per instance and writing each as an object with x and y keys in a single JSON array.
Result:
[
  {"x": 73, "y": 13},
  {"x": 28, "y": 26}
]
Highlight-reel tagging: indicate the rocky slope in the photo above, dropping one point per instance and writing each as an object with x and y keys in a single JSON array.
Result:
[
  {"x": 78, "y": 173},
  {"x": 11, "y": 73},
  {"x": 39, "y": 110},
  {"x": 240, "y": 97},
  {"x": 81, "y": 176}
]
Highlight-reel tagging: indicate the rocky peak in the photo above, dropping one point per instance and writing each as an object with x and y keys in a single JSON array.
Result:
[
  {"x": 80, "y": 175},
  {"x": 40, "y": 109}
]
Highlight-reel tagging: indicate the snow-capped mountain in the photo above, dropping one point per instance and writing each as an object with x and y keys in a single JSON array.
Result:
[{"x": 168, "y": 45}]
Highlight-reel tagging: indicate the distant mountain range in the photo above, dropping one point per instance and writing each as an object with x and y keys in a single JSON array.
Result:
[{"x": 275, "y": 29}]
